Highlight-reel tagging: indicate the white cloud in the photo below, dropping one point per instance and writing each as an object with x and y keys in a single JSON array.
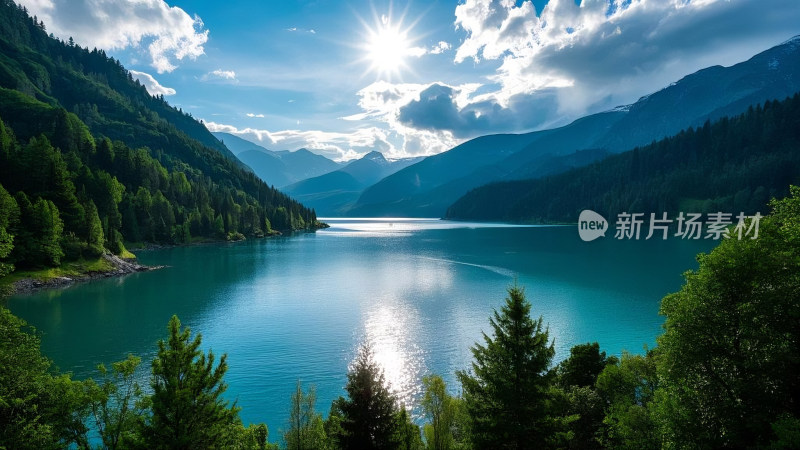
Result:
[
  {"x": 151, "y": 84},
  {"x": 437, "y": 49},
  {"x": 600, "y": 54},
  {"x": 260, "y": 116},
  {"x": 219, "y": 74},
  {"x": 550, "y": 72},
  {"x": 301, "y": 30},
  {"x": 419, "y": 126},
  {"x": 431, "y": 118},
  {"x": 169, "y": 33},
  {"x": 441, "y": 47},
  {"x": 339, "y": 146}
]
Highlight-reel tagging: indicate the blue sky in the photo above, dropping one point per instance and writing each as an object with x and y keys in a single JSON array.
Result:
[{"x": 411, "y": 78}]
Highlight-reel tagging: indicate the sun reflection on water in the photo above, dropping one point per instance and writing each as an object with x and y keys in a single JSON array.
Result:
[{"x": 390, "y": 332}]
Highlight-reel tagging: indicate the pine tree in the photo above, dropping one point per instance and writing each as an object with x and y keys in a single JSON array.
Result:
[
  {"x": 306, "y": 430},
  {"x": 47, "y": 229},
  {"x": 9, "y": 219},
  {"x": 369, "y": 411},
  {"x": 188, "y": 409},
  {"x": 507, "y": 392},
  {"x": 94, "y": 232},
  {"x": 407, "y": 436}
]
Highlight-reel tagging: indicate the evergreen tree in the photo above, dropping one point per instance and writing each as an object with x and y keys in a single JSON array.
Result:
[
  {"x": 584, "y": 364},
  {"x": 47, "y": 228},
  {"x": 48, "y": 177},
  {"x": 188, "y": 409},
  {"x": 507, "y": 393},
  {"x": 408, "y": 436},
  {"x": 333, "y": 424},
  {"x": 24, "y": 243},
  {"x": 368, "y": 413},
  {"x": 6, "y": 245},
  {"x": 9, "y": 219},
  {"x": 94, "y": 235},
  {"x": 582, "y": 413},
  {"x": 306, "y": 431}
]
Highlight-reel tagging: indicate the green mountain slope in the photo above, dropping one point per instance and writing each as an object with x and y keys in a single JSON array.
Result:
[
  {"x": 88, "y": 159},
  {"x": 733, "y": 165}
]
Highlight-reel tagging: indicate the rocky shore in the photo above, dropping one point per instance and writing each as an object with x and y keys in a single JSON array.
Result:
[{"x": 120, "y": 267}]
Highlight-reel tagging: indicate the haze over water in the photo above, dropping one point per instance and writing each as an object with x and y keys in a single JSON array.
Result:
[{"x": 420, "y": 291}]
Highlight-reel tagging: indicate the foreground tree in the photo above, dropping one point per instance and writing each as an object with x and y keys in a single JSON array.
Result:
[
  {"x": 576, "y": 377},
  {"x": 37, "y": 410},
  {"x": 627, "y": 390},
  {"x": 306, "y": 430},
  {"x": 118, "y": 404},
  {"x": 368, "y": 414},
  {"x": 584, "y": 364},
  {"x": 408, "y": 436},
  {"x": 729, "y": 355},
  {"x": 439, "y": 408},
  {"x": 507, "y": 392},
  {"x": 253, "y": 437},
  {"x": 188, "y": 409}
]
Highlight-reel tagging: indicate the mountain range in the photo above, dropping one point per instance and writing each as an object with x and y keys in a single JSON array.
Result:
[
  {"x": 427, "y": 188},
  {"x": 733, "y": 165},
  {"x": 334, "y": 193},
  {"x": 277, "y": 168}
]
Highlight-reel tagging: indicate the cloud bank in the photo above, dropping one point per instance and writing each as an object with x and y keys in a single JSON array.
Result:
[
  {"x": 565, "y": 61},
  {"x": 168, "y": 32},
  {"x": 602, "y": 53},
  {"x": 338, "y": 146}
]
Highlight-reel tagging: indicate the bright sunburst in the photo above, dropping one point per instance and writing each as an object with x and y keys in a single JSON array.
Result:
[{"x": 387, "y": 47}]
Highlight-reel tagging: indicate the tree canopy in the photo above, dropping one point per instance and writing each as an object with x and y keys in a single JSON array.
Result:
[{"x": 506, "y": 393}]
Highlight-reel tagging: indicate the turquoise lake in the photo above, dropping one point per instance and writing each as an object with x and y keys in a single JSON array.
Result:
[{"x": 420, "y": 291}]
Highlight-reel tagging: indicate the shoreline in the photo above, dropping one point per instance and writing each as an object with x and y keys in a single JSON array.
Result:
[{"x": 119, "y": 267}]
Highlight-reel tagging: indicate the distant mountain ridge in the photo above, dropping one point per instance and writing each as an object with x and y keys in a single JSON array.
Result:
[
  {"x": 427, "y": 188},
  {"x": 733, "y": 165},
  {"x": 334, "y": 193},
  {"x": 277, "y": 168}
]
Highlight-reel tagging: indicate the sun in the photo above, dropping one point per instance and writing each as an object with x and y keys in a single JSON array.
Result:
[{"x": 386, "y": 47}]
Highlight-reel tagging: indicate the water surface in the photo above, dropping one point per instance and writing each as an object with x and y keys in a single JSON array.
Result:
[{"x": 420, "y": 291}]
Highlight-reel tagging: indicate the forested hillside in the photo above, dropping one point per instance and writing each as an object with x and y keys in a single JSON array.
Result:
[
  {"x": 733, "y": 165},
  {"x": 89, "y": 160}
]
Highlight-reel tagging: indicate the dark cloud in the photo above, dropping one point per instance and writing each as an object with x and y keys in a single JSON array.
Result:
[{"x": 437, "y": 110}]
